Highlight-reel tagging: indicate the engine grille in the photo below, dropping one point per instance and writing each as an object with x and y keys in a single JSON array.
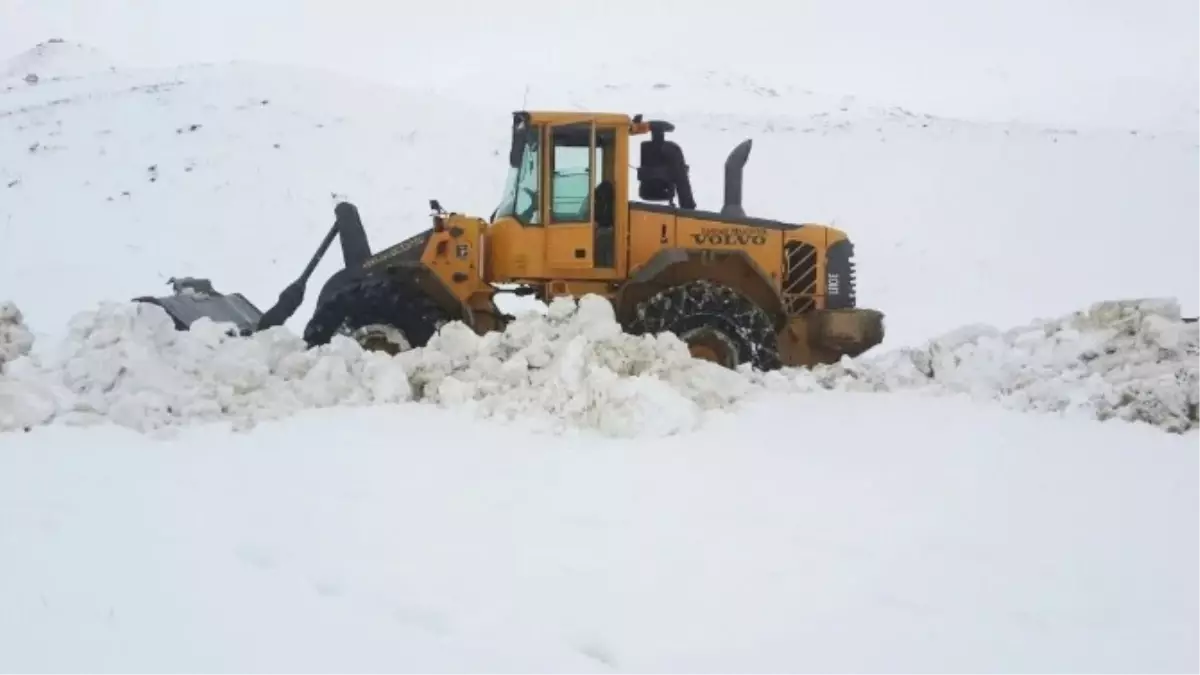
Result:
[{"x": 799, "y": 277}]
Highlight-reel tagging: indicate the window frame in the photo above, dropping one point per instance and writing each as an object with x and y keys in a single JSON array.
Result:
[{"x": 553, "y": 218}]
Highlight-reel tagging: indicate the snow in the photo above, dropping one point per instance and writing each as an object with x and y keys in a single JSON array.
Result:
[
  {"x": 15, "y": 338},
  {"x": 1103, "y": 63},
  {"x": 572, "y": 368},
  {"x": 1131, "y": 360},
  {"x": 225, "y": 172},
  {"x": 231, "y": 172},
  {"x": 53, "y": 60},
  {"x": 844, "y": 533},
  {"x": 985, "y": 491}
]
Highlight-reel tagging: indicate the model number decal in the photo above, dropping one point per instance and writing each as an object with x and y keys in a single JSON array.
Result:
[
  {"x": 731, "y": 236},
  {"x": 397, "y": 250},
  {"x": 832, "y": 284}
]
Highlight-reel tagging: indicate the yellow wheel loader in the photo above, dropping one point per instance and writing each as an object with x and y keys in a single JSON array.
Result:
[{"x": 737, "y": 289}]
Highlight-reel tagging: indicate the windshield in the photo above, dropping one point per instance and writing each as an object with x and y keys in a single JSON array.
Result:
[{"x": 520, "y": 198}]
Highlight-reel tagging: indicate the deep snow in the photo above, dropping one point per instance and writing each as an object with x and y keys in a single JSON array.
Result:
[
  {"x": 129, "y": 365},
  {"x": 1095, "y": 63},
  {"x": 15, "y": 338},
  {"x": 887, "y": 514},
  {"x": 573, "y": 368},
  {"x": 852, "y": 532}
]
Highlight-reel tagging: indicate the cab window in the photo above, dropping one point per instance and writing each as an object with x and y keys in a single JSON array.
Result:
[{"x": 571, "y": 174}]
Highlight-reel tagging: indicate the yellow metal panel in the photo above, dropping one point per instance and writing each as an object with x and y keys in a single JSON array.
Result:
[
  {"x": 578, "y": 289},
  {"x": 760, "y": 243},
  {"x": 569, "y": 247},
  {"x": 455, "y": 259},
  {"x": 516, "y": 252},
  {"x": 649, "y": 232}
]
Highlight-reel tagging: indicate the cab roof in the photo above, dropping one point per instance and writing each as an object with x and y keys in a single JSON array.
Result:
[{"x": 574, "y": 117}]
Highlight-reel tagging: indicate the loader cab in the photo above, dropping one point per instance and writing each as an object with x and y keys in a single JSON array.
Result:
[
  {"x": 565, "y": 196},
  {"x": 566, "y": 210}
]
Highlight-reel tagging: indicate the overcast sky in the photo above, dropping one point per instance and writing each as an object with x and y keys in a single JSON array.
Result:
[{"x": 1092, "y": 51}]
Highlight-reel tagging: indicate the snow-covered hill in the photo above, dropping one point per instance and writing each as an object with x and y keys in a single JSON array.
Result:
[
  {"x": 128, "y": 178},
  {"x": 621, "y": 507}
]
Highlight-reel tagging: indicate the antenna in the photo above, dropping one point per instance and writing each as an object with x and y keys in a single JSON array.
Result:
[{"x": 525, "y": 100}]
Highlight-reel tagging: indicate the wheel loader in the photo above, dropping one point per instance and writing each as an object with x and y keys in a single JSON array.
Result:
[{"x": 737, "y": 289}]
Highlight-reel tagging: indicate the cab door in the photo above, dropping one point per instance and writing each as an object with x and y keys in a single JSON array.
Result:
[{"x": 570, "y": 174}]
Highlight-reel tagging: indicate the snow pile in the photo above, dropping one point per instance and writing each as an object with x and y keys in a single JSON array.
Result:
[
  {"x": 15, "y": 338},
  {"x": 1133, "y": 360},
  {"x": 126, "y": 363},
  {"x": 20, "y": 405},
  {"x": 572, "y": 367}
]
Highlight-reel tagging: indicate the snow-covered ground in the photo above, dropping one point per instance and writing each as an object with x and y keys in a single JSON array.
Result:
[
  {"x": 845, "y": 533},
  {"x": 562, "y": 497}
]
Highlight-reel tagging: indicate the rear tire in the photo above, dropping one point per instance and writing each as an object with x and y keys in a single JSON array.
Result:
[
  {"x": 717, "y": 323},
  {"x": 380, "y": 313}
]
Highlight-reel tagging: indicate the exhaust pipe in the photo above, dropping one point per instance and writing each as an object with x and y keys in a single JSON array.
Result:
[{"x": 733, "y": 179}]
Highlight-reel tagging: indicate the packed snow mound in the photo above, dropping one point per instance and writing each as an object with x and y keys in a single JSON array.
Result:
[
  {"x": 570, "y": 368},
  {"x": 55, "y": 59},
  {"x": 573, "y": 367},
  {"x": 1133, "y": 360},
  {"x": 15, "y": 338},
  {"x": 127, "y": 364}
]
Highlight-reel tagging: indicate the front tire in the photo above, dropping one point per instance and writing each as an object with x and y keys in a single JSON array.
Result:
[
  {"x": 380, "y": 313},
  {"x": 716, "y": 322}
]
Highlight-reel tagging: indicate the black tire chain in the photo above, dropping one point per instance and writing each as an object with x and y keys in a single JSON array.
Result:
[{"x": 703, "y": 302}]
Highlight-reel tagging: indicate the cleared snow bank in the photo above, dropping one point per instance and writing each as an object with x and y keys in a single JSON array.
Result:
[
  {"x": 573, "y": 368},
  {"x": 1134, "y": 360},
  {"x": 15, "y": 338}
]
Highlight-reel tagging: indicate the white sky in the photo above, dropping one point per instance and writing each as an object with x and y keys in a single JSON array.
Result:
[{"x": 1038, "y": 56}]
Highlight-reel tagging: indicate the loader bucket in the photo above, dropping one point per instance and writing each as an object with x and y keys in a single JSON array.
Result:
[{"x": 196, "y": 298}]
